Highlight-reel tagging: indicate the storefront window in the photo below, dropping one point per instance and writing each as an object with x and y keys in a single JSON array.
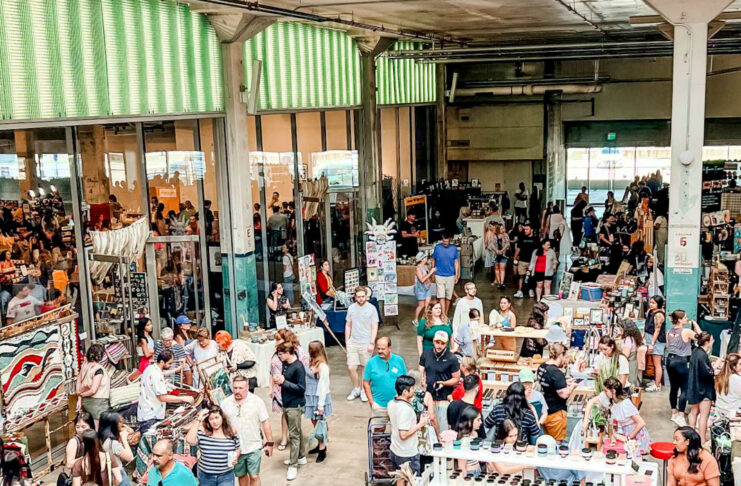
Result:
[{"x": 38, "y": 259}]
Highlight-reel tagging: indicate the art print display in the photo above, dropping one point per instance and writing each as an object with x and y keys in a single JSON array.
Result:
[{"x": 380, "y": 254}]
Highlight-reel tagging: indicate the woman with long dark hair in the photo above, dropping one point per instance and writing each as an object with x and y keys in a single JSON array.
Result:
[
  {"x": 144, "y": 342},
  {"x": 701, "y": 385},
  {"x": 679, "y": 349},
  {"x": 691, "y": 464},
  {"x": 515, "y": 407},
  {"x": 74, "y": 450},
  {"x": 95, "y": 465},
  {"x": 114, "y": 439},
  {"x": 218, "y": 447},
  {"x": 468, "y": 425},
  {"x": 277, "y": 302},
  {"x": 654, "y": 334}
]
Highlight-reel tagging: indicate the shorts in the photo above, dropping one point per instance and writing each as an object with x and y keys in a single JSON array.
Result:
[
  {"x": 555, "y": 425},
  {"x": 95, "y": 406},
  {"x": 658, "y": 349},
  {"x": 523, "y": 267},
  {"x": 500, "y": 260},
  {"x": 413, "y": 461},
  {"x": 248, "y": 464},
  {"x": 445, "y": 287},
  {"x": 423, "y": 293},
  {"x": 357, "y": 354},
  {"x": 539, "y": 277}
]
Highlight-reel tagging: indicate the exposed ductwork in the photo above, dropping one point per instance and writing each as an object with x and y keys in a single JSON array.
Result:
[{"x": 525, "y": 90}]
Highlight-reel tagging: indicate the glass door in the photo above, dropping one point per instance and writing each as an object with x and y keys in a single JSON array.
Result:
[{"x": 181, "y": 220}]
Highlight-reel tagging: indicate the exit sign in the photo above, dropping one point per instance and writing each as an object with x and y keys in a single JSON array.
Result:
[{"x": 611, "y": 137}]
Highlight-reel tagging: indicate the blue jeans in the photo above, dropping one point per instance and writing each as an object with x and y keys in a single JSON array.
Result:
[
  {"x": 125, "y": 481},
  {"x": 224, "y": 479}
]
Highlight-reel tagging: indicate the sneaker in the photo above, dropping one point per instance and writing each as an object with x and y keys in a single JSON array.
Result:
[
  {"x": 363, "y": 398},
  {"x": 652, "y": 388},
  {"x": 531, "y": 293},
  {"x": 291, "y": 474},
  {"x": 301, "y": 461},
  {"x": 518, "y": 294},
  {"x": 355, "y": 393},
  {"x": 680, "y": 421}
]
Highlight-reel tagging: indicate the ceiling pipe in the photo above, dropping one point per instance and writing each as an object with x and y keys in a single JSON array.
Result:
[
  {"x": 527, "y": 90},
  {"x": 296, "y": 14}
]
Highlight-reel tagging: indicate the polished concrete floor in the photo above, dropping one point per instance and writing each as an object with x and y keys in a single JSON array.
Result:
[{"x": 347, "y": 460}]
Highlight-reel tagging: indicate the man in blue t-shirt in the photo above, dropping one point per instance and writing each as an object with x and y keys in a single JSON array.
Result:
[
  {"x": 590, "y": 225},
  {"x": 381, "y": 372},
  {"x": 447, "y": 261}
]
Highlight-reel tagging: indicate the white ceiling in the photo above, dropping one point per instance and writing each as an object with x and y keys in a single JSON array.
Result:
[{"x": 488, "y": 20}]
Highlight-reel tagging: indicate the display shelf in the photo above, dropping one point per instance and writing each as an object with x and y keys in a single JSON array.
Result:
[{"x": 597, "y": 464}]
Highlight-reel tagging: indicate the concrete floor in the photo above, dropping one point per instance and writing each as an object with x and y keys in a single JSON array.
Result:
[{"x": 347, "y": 459}]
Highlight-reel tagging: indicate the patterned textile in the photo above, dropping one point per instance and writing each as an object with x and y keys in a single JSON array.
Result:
[
  {"x": 32, "y": 374},
  {"x": 116, "y": 352}
]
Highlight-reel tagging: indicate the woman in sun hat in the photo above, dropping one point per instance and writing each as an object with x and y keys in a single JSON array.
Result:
[{"x": 424, "y": 287}]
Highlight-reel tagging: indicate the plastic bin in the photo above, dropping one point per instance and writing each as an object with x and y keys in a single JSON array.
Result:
[{"x": 591, "y": 293}]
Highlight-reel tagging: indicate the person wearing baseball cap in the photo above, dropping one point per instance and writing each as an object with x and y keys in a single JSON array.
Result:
[
  {"x": 442, "y": 373},
  {"x": 534, "y": 397}
]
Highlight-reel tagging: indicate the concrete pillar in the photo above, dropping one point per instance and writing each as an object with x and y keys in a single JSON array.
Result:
[
  {"x": 690, "y": 20},
  {"x": 369, "y": 136},
  {"x": 555, "y": 150},
  {"x": 240, "y": 283}
]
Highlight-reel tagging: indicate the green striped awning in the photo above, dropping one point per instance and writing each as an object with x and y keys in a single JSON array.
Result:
[
  {"x": 304, "y": 67},
  {"x": 82, "y": 58},
  {"x": 405, "y": 81}
]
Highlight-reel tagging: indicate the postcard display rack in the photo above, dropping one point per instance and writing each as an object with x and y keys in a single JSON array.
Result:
[
  {"x": 380, "y": 255},
  {"x": 618, "y": 472}
]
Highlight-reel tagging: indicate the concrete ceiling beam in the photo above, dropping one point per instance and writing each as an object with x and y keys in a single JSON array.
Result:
[
  {"x": 679, "y": 12},
  {"x": 238, "y": 27},
  {"x": 375, "y": 45}
]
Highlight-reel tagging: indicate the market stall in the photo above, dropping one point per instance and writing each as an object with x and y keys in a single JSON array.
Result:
[{"x": 262, "y": 344}]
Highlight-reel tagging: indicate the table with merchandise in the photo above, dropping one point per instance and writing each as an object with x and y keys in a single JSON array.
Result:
[{"x": 619, "y": 470}]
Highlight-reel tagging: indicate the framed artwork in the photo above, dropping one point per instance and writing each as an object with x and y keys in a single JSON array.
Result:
[{"x": 595, "y": 316}]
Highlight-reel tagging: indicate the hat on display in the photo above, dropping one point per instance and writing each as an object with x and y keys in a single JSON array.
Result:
[
  {"x": 441, "y": 336},
  {"x": 183, "y": 319},
  {"x": 527, "y": 376},
  {"x": 420, "y": 256}
]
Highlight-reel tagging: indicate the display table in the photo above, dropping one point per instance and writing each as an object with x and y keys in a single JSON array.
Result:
[
  {"x": 264, "y": 351},
  {"x": 476, "y": 225},
  {"x": 715, "y": 327},
  {"x": 620, "y": 470},
  {"x": 556, "y": 307}
]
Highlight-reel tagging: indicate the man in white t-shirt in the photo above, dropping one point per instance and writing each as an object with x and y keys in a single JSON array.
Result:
[
  {"x": 404, "y": 425},
  {"x": 154, "y": 394},
  {"x": 23, "y": 306},
  {"x": 361, "y": 328},
  {"x": 247, "y": 413},
  {"x": 464, "y": 305}
]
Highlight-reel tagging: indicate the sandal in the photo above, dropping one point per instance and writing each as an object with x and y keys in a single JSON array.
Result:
[{"x": 282, "y": 446}]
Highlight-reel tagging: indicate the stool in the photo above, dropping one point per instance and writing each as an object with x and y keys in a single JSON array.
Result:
[{"x": 663, "y": 451}]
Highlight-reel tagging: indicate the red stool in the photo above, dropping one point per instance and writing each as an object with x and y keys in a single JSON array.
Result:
[{"x": 663, "y": 451}]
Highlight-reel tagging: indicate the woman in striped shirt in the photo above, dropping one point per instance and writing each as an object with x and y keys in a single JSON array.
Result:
[{"x": 218, "y": 447}]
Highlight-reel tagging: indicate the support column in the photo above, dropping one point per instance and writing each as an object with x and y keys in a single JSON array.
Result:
[
  {"x": 369, "y": 148},
  {"x": 555, "y": 153},
  {"x": 690, "y": 20},
  {"x": 240, "y": 282},
  {"x": 441, "y": 171}
]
